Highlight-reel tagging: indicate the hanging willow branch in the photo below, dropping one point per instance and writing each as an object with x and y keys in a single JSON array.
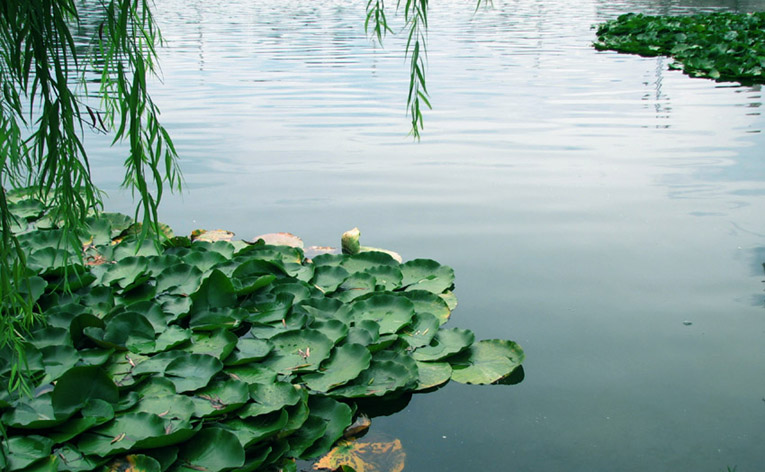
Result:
[{"x": 43, "y": 114}]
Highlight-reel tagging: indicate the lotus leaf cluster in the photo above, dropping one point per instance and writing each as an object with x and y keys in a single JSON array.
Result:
[
  {"x": 721, "y": 46},
  {"x": 212, "y": 356}
]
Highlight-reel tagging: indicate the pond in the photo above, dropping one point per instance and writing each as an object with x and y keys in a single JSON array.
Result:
[{"x": 602, "y": 211}]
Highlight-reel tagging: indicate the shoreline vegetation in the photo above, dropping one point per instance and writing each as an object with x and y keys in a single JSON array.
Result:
[
  {"x": 726, "y": 47},
  {"x": 207, "y": 354}
]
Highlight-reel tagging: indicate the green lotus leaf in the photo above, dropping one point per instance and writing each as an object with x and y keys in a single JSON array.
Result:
[
  {"x": 329, "y": 277},
  {"x": 52, "y": 261},
  {"x": 33, "y": 413},
  {"x": 77, "y": 386},
  {"x": 391, "y": 312},
  {"x": 486, "y": 361},
  {"x": 32, "y": 288},
  {"x": 312, "y": 429},
  {"x": 172, "y": 408},
  {"x": 216, "y": 291},
  {"x": 98, "y": 231},
  {"x": 387, "y": 277},
  {"x": 192, "y": 371},
  {"x": 49, "y": 464},
  {"x": 269, "y": 398},
  {"x": 179, "y": 279},
  {"x": 135, "y": 294},
  {"x": 165, "y": 456},
  {"x": 381, "y": 378},
  {"x": 78, "y": 325},
  {"x": 50, "y": 336},
  {"x": 27, "y": 209},
  {"x": 278, "y": 254},
  {"x": 219, "y": 343},
  {"x": 253, "y": 373},
  {"x": 364, "y": 332},
  {"x": 345, "y": 364},
  {"x": 250, "y": 431},
  {"x": 355, "y": 286},
  {"x": 421, "y": 331},
  {"x": 248, "y": 350},
  {"x": 57, "y": 360},
  {"x": 446, "y": 343},
  {"x": 159, "y": 264},
  {"x": 298, "y": 289},
  {"x": 428, "y": 275},
  {"x": 213, "y": 449},
  {"x": 384, "y": 342},
  {"x": 117, "y": 221},
  {"x": 95, "y": 413},
  {"x": 426, "y": 302},
  {"x": 135, "y": 463},
  {"x": 294, "y": 320},
  {"x": 324, "y": 309},
  {"x": 256, "y": 458},
  {"x": 75, "y": 461},
  {"x": 175, "y": 305},
  {"x": 328, "y": 260},
  {"x": 297, "y": 414},
  {"x": 121, "y": 434},
  {"x": 248, "y": 285},
  {"x": 95, "y": 356},
  {"x": 120, "y": 367},
  {"x": 335, "y": 330},
  {"x": 217, "y": 318},
  {"x": 203, "y": 260},
  {"x": 257, "y": 268},
  {"x": 130, "y": 247},
  {"x": 127, "y": 273},
  {"x": 23, "y": 451},
  {"x": 298, "y": 351},
  {"x": 150, "y": 310},
  {"x": 364, "y": 261},
  {"x": 302, "y": 272},
  {"x": 157, "y": 363},
  {"x": 433, "y": 374},
  {"x": 129, "y": 330},
  {"x": 272, "y": 311},
  {"x": 336, "y": 415},
  {"x": 220, "y": 398},
  {"x": 171, "y": 337}
]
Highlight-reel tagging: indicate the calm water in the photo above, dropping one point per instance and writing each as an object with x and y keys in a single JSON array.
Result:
[{"x": 590, "y": 203}]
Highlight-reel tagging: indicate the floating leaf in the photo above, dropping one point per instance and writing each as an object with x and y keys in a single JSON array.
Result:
[
  {"x": 486, "y": 361},
  {"x": 121, "y": 434},
  {"x": 428, "y": 275},
  {"x": 269, "y": 398},
  {"x": 23, "y": 451},
  {"x": 345, "y": 364},
  {"x": 192, "y": 371},
  {"x": 446, "y": 343},
  {"x": 336, "y": 415},
  {"x": 298, "y": 351},
  {"x": 220, "y": 397},
  {"x": 391, "y": 312},
  {"x": 250, "y": 431},
  {"x": 78, "y": 386},
  {"x": 433, "y": 374}
]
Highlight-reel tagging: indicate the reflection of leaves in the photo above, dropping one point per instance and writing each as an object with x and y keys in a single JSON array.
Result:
[{"x": 365, "y": 456}]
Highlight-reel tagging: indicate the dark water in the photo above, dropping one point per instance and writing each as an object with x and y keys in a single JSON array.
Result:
[{"x": 591, "y": 204}]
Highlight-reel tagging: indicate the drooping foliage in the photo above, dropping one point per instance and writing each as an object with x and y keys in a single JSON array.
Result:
[
  {"x": 67, "y": 66},
  {"x": 720, "y": 46},
  {"x": 219, "y": 355}
]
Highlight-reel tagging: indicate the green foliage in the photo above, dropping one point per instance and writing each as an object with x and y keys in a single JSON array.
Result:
[
  {"x": 720, "y": 46},
  {"x": 235, "y": 379},
  {"x": 50, "y": 51}
]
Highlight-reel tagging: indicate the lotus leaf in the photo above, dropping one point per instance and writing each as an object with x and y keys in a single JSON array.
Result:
[
  {"x": 355, "y": 286},
  {"x": 250, "y": 431},
  {"x": 192, "y": 371},
  {"x": 432, "y": 374},
  {"x": 387, "y": 277},
  {"x": 421, "y": 331},
  {"x": 220, "y": 397},
  {"x": 335, "y": 330},
  {"x": 127, "y": 273},
  {"x": 428, "y": 275},
  {"x": 294, "y": 320},
  {"x": 391, "y": 312},
  {"x": 78, "y": 386},
  {"x": 50, "y": 336},
  {"x": 269, "y": 398},
  {"x": 310, "y": 431},
  {"x": 298, "y": 351},
  {"x": 297, "y": 414},
  {"x": 204, "y": 260},
  {"x": 329, "y": 277},
  {"x": 248, "y": 350},
  {"x": 216, "y": 291},
  {"x": 446, "y": 343},
  {"x": 336, "y": 415},
  {"x": 171, "y": 337},
  {"x": 33, "y": 288},
  {"x": 345, "y": 364},
  {"x": 486, "y": 361},
  {"x": 248, "y": 285},
  {"x": 298, "y": 289},
  {"x": 121, "y": 434},
  {"x": 426, "y": 302},
  {"x": 381, "y": 378},
  {"x": 33, "y": 413},
  {"x": 23, "y": 451},
  {"x": 217, "y": 318},
  {"x": 57, "y": 360},
  {"x": 219, "y": 343},
  {"x": 251, "y": 374},
  {"x": 179, "y": 279}
]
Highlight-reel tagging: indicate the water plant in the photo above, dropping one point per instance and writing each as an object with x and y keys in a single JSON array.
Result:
[
  {"x": 721, "y": 46},
  {"x": 218, "y": 355}
]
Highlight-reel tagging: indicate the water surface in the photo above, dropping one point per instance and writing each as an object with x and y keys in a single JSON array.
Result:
[{"x": 592, "y": 204}]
